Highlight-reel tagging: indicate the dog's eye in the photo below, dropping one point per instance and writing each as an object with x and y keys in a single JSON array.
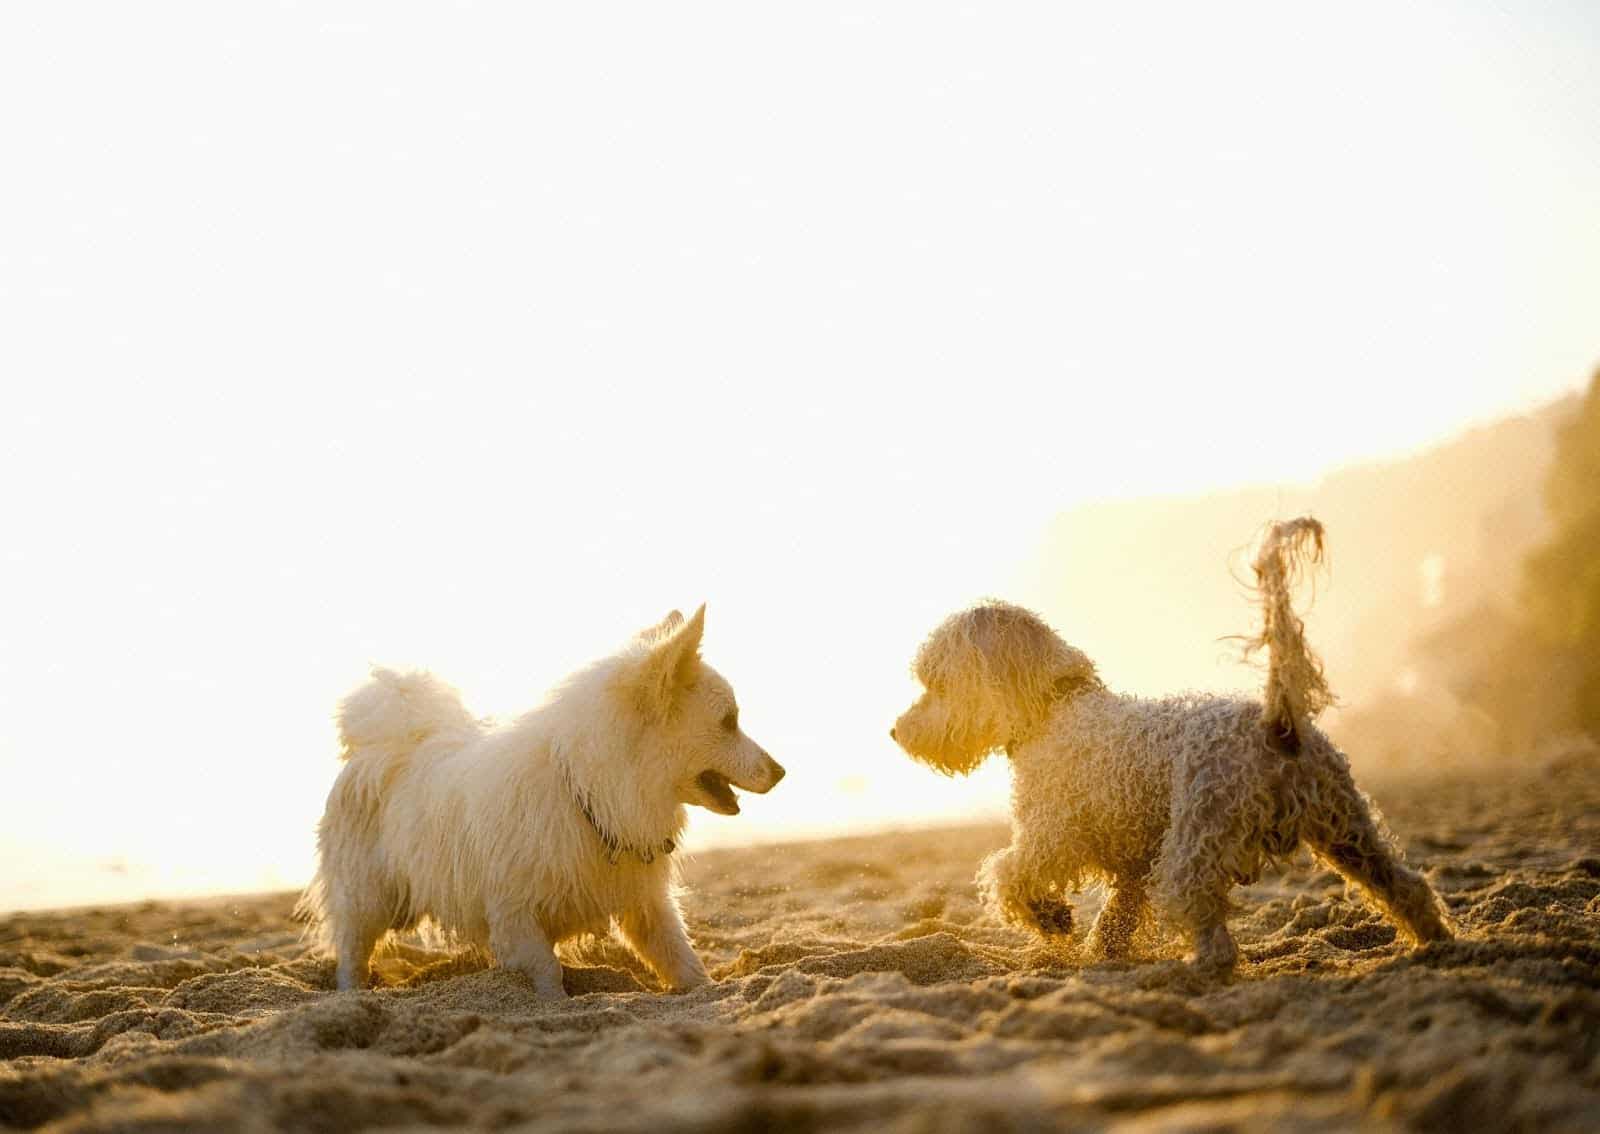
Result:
[{"x": 730, "y": 720}]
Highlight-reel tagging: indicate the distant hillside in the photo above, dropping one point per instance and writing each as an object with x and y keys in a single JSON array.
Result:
[{"x": 1152, "y": 587}]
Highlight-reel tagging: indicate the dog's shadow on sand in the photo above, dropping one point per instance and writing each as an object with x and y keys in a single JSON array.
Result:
[{"x": 587, "y": 967}]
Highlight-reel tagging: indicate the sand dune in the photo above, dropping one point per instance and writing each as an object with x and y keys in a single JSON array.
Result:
[{"x": 860, "y": 986}]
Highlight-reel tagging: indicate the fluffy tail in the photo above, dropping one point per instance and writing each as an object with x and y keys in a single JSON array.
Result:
[
  {"x": 380, "y": 723},
  {"x": 398, "y": 711},
  {"x": 1296, "y": 688}
]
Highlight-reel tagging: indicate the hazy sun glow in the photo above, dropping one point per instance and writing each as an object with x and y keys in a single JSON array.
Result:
[{"x": 479, "y": 337}]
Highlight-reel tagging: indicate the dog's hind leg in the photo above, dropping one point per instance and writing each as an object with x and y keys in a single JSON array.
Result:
[
  {"x": 355, "y": 929},
  {"x": 1204, "y": 916},
  {"x": 656, "y": 933},
  {"x": 1119, "y": 917},
  {"x": 1352, "y": 844},
  {"x": 519, "y": 942},
  {"x": 1190, "y": 884}
]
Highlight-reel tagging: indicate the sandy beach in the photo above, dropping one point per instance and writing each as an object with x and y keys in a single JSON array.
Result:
[{"x": 859, "y": 986}]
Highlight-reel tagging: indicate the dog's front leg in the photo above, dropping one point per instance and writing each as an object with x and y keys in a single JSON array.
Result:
[
  {"x": 1113, "y": 929},
  {"x": 656, "y": 933},
  {"x": 1016, "y": 892},
  {"x": 519, "y": 942}
]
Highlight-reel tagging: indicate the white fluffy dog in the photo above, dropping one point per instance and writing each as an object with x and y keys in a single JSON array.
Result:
[
  {"x": 518, "y": 837},
  {"x": 1169, "y": 802}
]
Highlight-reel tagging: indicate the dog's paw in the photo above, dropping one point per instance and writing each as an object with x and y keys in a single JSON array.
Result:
[
  {"x": 1051, "y": 916},
  {"x": 1215, "y": 954}
]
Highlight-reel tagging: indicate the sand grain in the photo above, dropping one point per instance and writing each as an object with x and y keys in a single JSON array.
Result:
[{"x": 859, "y": 985}]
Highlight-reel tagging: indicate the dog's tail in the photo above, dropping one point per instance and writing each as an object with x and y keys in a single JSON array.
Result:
[
  {"x": 1297, "y": 689},
  {"x": 395, "y": 712}
]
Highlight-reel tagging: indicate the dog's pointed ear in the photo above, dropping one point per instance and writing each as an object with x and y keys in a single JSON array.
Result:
[
  {"x": 673, "y": 661},
  {"x": 667, "y": 625}
]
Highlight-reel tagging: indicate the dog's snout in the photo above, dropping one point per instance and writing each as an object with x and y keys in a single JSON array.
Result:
[
  {"x": 775, "y": 772},
  {"x": 892, "y": 736}
]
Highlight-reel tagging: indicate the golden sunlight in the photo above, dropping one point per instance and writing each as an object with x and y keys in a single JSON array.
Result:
[
  {"x": 377, "y": 379},
  {"x": 214, "y": 569}
]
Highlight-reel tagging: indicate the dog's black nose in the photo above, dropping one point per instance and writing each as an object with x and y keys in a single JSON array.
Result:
[{"x": 892, "y": 736}]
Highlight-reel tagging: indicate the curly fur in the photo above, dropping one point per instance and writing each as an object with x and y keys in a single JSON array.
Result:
[
  {"x": 1297, "y": 689},
  {"x": 1169, "y": 802}
]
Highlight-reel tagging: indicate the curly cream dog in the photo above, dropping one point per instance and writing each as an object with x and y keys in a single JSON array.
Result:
[
  {"x": 558, "y": 824},
  {"x": 1168, "y": 802}
]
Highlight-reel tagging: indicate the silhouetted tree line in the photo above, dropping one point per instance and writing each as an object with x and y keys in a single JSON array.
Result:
[
  {"x": 1561, "y": 595},
  {"x": 1509, "y": 677}
]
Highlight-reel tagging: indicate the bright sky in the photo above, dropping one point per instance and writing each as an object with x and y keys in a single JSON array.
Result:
[{"x": 478, "y": 336}]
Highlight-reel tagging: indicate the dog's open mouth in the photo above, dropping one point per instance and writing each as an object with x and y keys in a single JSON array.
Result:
[{"x": 719, "y": 796}]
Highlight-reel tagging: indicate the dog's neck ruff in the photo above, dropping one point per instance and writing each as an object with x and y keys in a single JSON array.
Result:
[
  {"x": 1065, "y": 690},
  {"x": 615, "y": 844}
]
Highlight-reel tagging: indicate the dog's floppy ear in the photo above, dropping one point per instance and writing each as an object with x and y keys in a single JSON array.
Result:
[
  {"x": 1072, "y": 671},
  {"x": 671, "y": 622},
  {"x": 673, "y": 660}
]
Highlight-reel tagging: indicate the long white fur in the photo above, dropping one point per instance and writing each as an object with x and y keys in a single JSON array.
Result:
[
  {"x": 1169, "y": 802},
  {"x": 480, "y": 828}
]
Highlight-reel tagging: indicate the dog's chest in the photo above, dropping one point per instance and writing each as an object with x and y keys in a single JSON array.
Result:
[
  {"x": 1110, "y": 801},
  {"x": 599, "y": 892}
]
